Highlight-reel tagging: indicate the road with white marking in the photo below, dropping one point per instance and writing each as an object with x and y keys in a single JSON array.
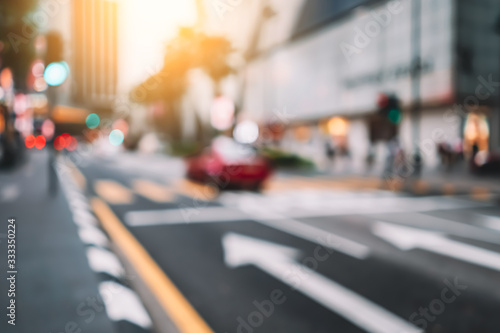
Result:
[{"x": 310, "y": 259}]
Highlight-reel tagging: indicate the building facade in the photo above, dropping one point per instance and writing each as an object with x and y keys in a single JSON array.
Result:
[
  {"x": 337, "y": 57},
  {"x": 94, "y": 53}
]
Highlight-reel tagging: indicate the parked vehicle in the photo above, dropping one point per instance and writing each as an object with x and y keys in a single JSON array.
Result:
[{"x": 229, "y": 165}]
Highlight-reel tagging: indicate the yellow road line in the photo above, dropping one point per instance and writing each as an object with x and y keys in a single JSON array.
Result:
[
  {"x": 196, "y": 191},
  {"x": 78, "y": 177},
  {"x": 170, "y": 298},
  {"x": 76, "y": 174},
  {"x": 152, "y": 190},
  {"x": 113, "y": 192}
]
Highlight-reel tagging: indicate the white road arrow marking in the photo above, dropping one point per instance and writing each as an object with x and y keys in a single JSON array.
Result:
[
  {"x": 279, "y": 261},
  {"x": 406, "y": 238}
]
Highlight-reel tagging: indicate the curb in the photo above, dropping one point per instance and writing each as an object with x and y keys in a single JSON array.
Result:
[
  {"x": 170, "y": 311},
  {"x": 116, "y": 284}
]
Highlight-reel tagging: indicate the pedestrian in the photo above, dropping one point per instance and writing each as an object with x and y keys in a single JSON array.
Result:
[
  {"x": 8, "y": 140},
  {"x": 330, "y": 153}
]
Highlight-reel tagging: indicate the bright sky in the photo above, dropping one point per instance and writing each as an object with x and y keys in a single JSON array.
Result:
[{"x": 144, "y": 28}]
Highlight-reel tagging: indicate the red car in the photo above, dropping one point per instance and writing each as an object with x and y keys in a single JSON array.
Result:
[{"x": 229, "y": 165}]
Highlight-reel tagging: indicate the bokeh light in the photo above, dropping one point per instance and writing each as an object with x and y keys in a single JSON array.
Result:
[
  {"x": 48, "y": 128},
  {"x": 40, "y": 85},
  {"x": 246, "y": 132},
  {"x": 40, "y": 142},
  {"x": 338, "y": 126},
  {"x": 65, "y": 141},
  {"x": 38, "y": 68},
  {"x": 222, "y": 113},
  {"x": 29, "y": 141},
  {"x": 56, "y": 73},
  {"x": 6, "y": 78},
  {"x": 122, "y": 125},
  {"x": 72, "y": 144},
  {"x": 92, "y": 121},
  {"x": 59, "y": 143},
  {"x": 116, "y": 137}
]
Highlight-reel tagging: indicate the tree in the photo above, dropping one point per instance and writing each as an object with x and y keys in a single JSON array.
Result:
[
  {"x": 213, "y": 58},
  {"x": 188, "y": 50},
  {"x": 17, "y": 38}
]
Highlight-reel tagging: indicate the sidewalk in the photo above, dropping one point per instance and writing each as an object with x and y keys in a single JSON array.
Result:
[
  {"x": 55, "y": 288},
  {"x": 458, "y": 181}
]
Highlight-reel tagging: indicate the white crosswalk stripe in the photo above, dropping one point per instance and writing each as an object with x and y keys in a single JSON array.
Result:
[
  {"x": 240, "y": 206},
  {"x": 300, "y": 204}
]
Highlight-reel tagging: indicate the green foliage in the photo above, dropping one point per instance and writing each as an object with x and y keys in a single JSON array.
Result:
[
  {"x": 184, "y": 148},
  {"x": 287, "y": 160}
]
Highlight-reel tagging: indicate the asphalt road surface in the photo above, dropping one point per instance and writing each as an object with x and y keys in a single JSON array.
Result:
[{"x": 308, "y": 256}]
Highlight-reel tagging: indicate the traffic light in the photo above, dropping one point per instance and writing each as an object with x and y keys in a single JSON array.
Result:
[
  {"x": 384, "y": 124},
  {"x": 390, "y": 109}
]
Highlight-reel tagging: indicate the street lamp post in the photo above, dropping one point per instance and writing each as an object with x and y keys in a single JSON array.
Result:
[
  {"x": 416, "y": 67},
  {"x": 497, "y": 118}
]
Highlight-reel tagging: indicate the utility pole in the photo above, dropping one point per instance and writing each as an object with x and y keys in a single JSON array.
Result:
[
  {"x": 496, "y": 118},
  {"x": 416, "y": 69}
]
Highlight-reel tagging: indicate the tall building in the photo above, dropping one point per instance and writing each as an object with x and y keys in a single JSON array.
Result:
[
  {"x": 325, "y": 59},
  {"x": 94, "y": 60}
]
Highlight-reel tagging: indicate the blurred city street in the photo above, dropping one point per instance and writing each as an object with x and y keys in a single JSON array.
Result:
[
  {"x": 305, "y": 255},
  {"x": 264, "y": 166},
  {"x": 397, "y": 252}
]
